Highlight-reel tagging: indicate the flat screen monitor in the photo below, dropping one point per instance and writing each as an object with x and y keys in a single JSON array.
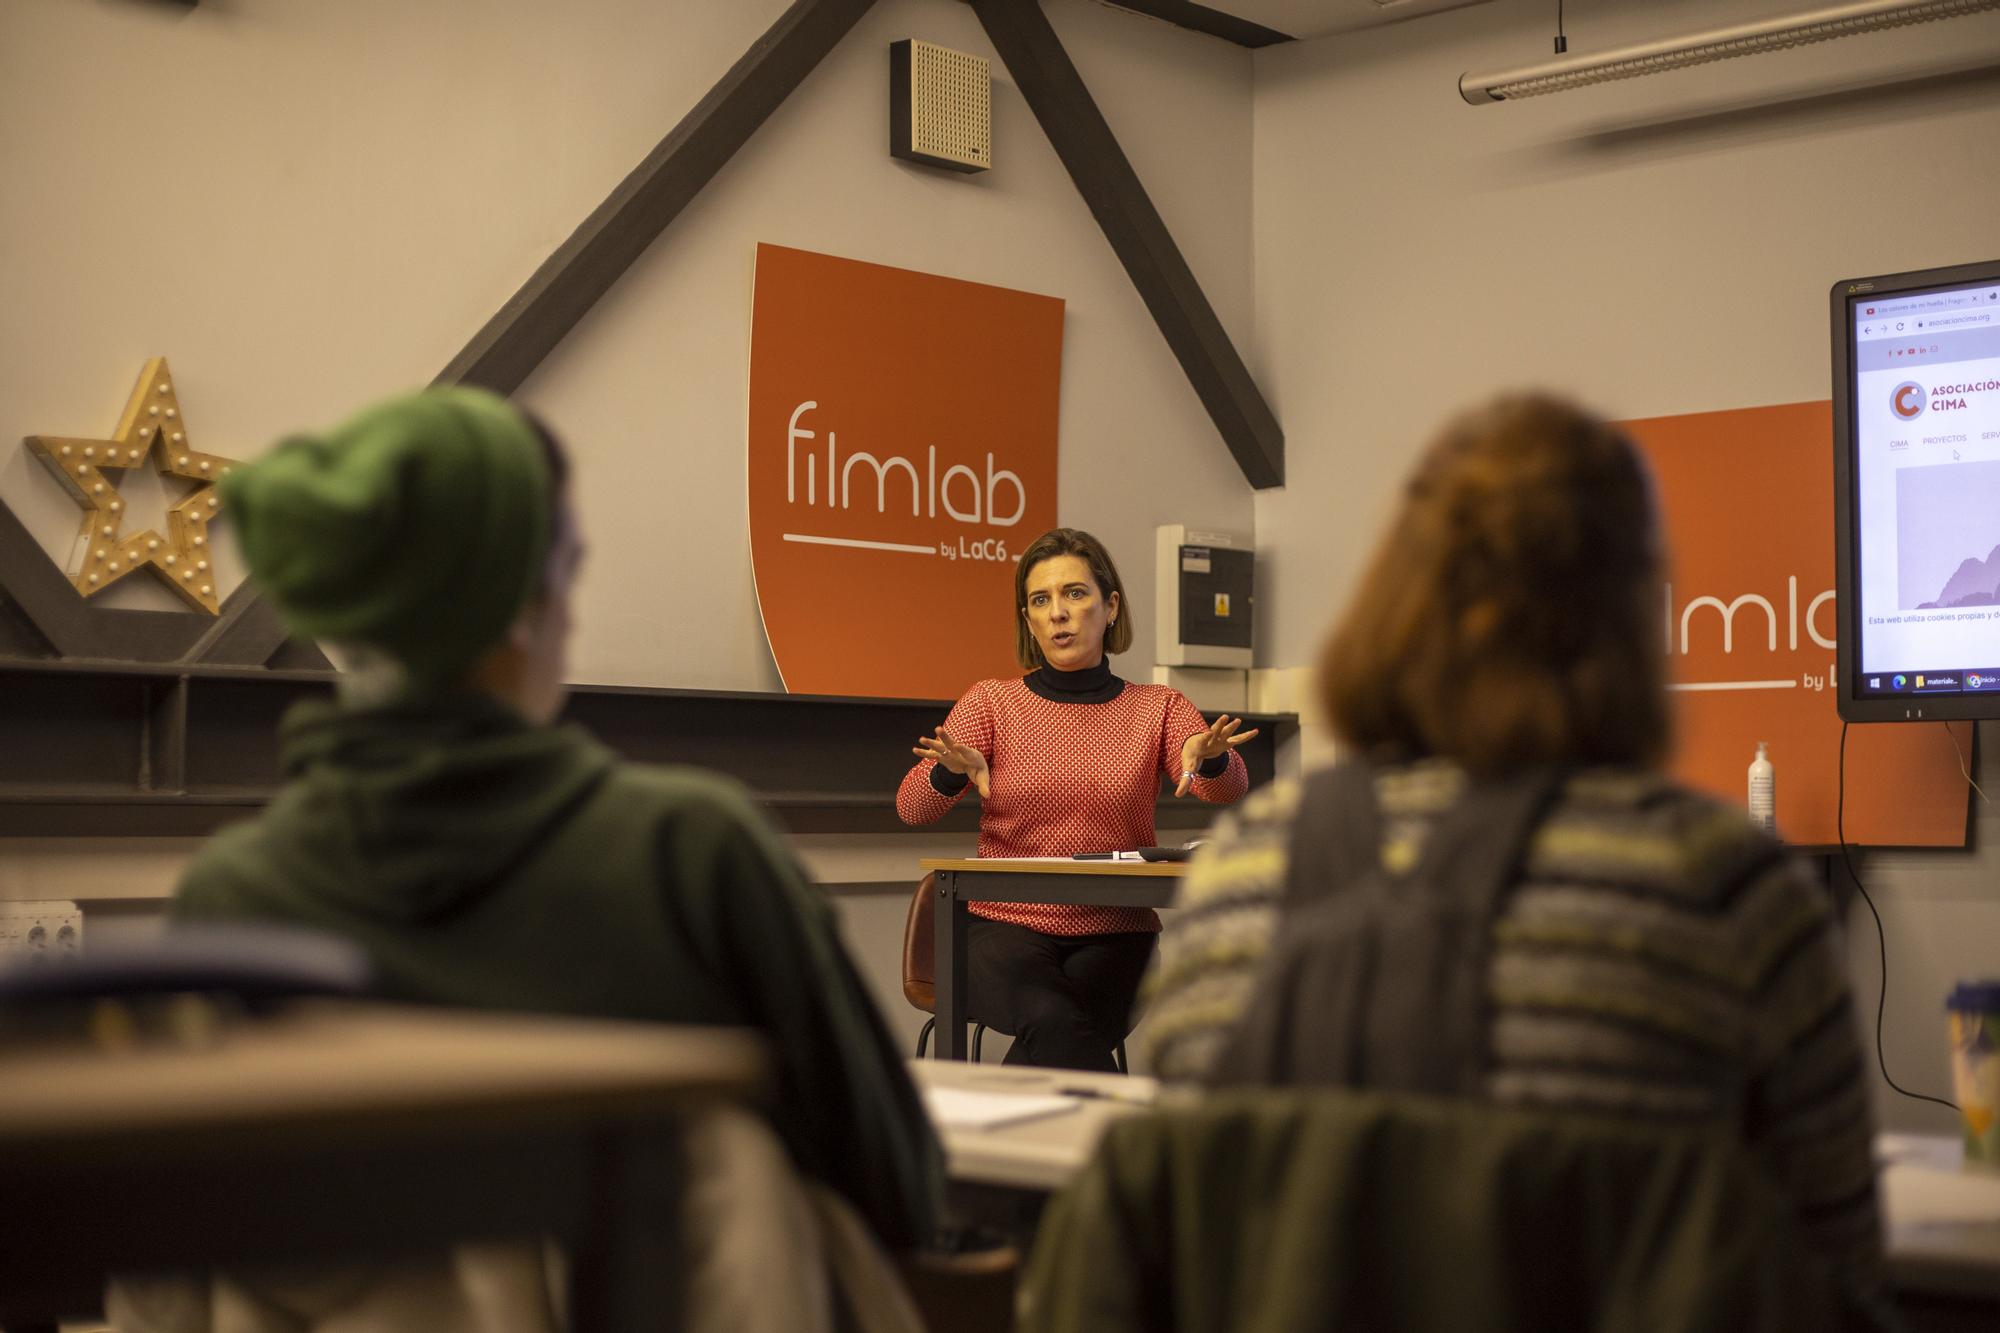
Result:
[{"x": 1916, "y": 416}]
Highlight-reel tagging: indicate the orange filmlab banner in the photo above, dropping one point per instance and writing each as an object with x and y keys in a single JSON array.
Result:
[
  {"x": 1750, "y": 620},
  {"x": 902, "y": 454}
]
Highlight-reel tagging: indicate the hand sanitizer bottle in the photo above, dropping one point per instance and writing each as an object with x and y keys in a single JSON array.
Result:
[{"x": 1763, "y": 791}]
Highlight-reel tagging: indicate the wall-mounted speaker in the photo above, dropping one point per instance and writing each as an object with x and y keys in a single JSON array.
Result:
[{"x": 940, "y": 106}]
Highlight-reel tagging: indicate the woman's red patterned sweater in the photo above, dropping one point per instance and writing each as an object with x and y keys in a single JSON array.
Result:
[{"x": 1068, "y": 778}]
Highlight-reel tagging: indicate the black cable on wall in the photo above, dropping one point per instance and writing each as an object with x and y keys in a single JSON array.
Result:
[{"x": 1881, "y": 939}]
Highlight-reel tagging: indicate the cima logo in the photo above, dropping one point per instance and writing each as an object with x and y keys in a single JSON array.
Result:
[{"x": 1908, "y": 400}]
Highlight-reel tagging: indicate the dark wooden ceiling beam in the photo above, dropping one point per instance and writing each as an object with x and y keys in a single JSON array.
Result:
[
  {"x": 530, "y": 326},
  {"x": 1200, "y": 18},
  {"x": 570, "y": 282},
  {"x": 1082, "y": 138},
  {"x": 39, "y": 599},
  {"x": 250, "y": 632},
  {"x": 42, "y": 597},
  {"x": 18, "y": 635}
]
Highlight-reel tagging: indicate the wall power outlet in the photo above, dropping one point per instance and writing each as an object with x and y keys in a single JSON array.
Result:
[{"x": 39, "y": 934}]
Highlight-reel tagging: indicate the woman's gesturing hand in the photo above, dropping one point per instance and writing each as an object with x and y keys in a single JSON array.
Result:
[
  {"x": 958, "y": 758},
  {"x": 1198, "y": 749}
]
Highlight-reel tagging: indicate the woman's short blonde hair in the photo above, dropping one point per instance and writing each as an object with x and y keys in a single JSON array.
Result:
[
  {"x": 1068, "y": 541},
  {"x": 1509, "y": 617}
]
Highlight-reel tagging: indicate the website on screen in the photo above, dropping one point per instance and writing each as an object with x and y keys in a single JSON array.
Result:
[{"x": 1927, "y": 491}]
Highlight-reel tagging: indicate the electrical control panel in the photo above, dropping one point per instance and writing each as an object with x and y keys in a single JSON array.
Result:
[{"x": 1206, "y": 597}]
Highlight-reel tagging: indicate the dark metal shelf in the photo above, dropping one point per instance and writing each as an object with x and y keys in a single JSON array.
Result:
[{"x": 119, "y": 748}]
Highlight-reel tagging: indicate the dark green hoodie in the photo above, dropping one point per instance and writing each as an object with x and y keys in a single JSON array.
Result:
[{"x": 483, "y": 861}]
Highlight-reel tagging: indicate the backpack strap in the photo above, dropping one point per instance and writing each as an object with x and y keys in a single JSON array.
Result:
[
  {"x": 1478, "y": 845},
  {"x": 1377, "y": 980},
  {"x": 1471, "y": 860},
  {"x": 1336, "y": 836}
]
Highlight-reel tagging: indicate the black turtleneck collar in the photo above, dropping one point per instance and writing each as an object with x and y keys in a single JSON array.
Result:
[{"x": 1092, "y": 685}]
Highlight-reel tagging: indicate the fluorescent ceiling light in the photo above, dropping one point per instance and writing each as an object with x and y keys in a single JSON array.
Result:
[{"x": 1779, "y": 34}]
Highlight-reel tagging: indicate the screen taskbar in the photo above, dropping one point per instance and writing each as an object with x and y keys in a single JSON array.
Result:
[{"x": 1889, "y": 683}]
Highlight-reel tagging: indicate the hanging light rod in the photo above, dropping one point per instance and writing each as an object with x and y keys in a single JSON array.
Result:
[{"x": 1778, "y": 34}]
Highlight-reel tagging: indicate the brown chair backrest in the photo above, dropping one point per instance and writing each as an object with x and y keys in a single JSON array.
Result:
[
  {"x": 920, "y": 947},
  {"x": 966, "y": 1293}
]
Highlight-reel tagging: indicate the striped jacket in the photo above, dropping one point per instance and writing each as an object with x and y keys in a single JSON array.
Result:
[{"x": 1659, "y": 958}]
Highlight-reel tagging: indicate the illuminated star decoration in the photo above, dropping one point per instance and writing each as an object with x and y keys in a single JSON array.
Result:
[{"x": 152, "y": 425}]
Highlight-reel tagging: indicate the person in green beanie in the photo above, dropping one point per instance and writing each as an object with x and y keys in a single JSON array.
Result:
[{"x": 486, "y": 857}]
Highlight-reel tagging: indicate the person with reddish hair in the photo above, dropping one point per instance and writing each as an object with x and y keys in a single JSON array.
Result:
[{"x": 1651, "y": 954}]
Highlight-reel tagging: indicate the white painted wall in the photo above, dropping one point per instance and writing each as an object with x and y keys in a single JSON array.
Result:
[
  {"x": 302, "y": 206},
  {"x": 660, "y": 368},
  {"x": 1658, "y": 246},
  {"x": 305, "y": 206}
]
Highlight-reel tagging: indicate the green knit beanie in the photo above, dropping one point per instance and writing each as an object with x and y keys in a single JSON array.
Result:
[{"x": 418, "y": 527}]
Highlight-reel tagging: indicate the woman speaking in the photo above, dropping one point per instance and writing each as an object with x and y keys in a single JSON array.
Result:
[{"x": 1067, "y": 759}]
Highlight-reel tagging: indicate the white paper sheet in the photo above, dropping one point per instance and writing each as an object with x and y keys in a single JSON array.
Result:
[
  {"x": 1939, "y": 1152},
  {"x": 957, "y": 1108},
  {"x": 1923, "y": 1197}
]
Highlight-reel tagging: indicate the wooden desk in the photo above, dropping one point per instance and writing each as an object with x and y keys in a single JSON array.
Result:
[
  {"x": 1038, "y": 1155},
  {"x": 1025, "y": 880},
  {"x": 336, "y": 1132},
  {"x": 1941, "y": 1223}
]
